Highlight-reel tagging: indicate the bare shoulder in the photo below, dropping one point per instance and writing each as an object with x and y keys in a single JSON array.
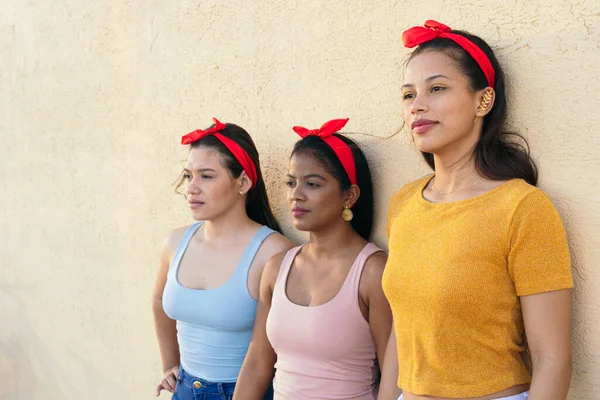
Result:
[
  {"x": 373, "y": 270},
  {"x": 274, "y": 244},
  {"x": 376, "y": 263},
  {"x": 171, "y": 242},
  {"x": 272, "y": 268},
  {"x": 167, "y": 252}
]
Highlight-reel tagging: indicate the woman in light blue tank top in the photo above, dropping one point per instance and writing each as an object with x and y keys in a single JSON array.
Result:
[{"x": 206, "y": 291}]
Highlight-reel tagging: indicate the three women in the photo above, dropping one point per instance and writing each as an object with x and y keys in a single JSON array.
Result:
[{"x": 478, "y": 277}]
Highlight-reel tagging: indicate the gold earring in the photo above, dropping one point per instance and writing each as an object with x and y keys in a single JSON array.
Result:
[
  {"x": 486, "y": 100},
  {"x": 347, "y": 214}
]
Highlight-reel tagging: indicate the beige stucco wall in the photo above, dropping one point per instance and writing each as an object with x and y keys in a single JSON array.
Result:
[{"x": 94, "y": 96}]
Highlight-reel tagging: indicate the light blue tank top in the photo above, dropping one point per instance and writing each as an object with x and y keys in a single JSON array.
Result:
[{"x": 214, "y": 326}]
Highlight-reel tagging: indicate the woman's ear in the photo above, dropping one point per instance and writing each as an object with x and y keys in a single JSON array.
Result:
[
  {"x": 486, "y": 98},
  {"x": 245, "y": 183},
  {"x": 351, "y": 196}
]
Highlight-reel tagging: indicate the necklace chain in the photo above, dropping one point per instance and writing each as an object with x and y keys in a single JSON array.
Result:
[{"x": 455, "y": 190}]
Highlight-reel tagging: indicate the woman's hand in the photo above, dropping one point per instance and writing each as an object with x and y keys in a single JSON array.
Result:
[{"x": 169, "y": 381}]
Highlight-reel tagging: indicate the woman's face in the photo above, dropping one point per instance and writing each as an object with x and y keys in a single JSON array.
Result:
[
  {"x": 439, "y": 105},
  {"x": 210, "y": 189},
  {"x": 315, "y": 198}
]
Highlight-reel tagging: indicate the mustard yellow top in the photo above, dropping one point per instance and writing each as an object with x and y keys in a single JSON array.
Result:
[{"x": 453, "y": 279}]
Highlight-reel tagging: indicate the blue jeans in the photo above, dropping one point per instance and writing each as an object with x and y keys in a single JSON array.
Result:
[{"x": 190, "y": 387}]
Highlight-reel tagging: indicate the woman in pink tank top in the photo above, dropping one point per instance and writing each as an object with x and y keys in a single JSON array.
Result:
[{"x": 322, "y": 321}]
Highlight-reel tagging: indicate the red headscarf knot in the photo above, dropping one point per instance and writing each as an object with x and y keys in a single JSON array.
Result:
[
  {"x": 327, "y": 129},
  {"x": 420, "y": 34},
  {"x": 199, "y": 133}
]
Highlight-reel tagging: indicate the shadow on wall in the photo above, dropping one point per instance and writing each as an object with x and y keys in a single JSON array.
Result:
[{"x": 59, "y": 372}]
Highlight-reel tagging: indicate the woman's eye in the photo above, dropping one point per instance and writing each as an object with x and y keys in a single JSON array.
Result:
[
  {"x": 312, "y": 184},
  {"x": 206, "y": 177},
  {"x": 187, "y": 177},
  {"x": 407, "y": 96},
  {"x": 437, "y": 88},
  {"x": 290, "y": 183}
]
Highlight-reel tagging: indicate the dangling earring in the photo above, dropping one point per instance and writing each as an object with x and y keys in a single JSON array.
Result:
[{"x": 347, "y": 214}]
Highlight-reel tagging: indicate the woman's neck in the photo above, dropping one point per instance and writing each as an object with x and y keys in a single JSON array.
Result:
[
  {"x": 235, "y": 223},
  {"x": 457, "y": 179},
  {"x": 455, "y": 172},
  {"x": 333, "y": 241}
]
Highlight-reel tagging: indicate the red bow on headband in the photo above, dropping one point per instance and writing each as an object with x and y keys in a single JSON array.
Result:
[
  {"x": 199, "y": 133},
  {"x": 339, "y": 147},
  {"x": 327, "y": 129},
  {"x": 418, "y": 35}
]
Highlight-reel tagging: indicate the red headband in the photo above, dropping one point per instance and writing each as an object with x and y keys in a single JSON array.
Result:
[
  {"x": 418, "y": 35},
  {"x": 339, "y": 147},
  {"x": 240, "y": 154}
]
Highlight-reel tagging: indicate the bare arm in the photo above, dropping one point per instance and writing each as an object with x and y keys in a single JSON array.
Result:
[
  {"x": 259, "y": 365},
  {"x": 547, "y": 318},
  {"x": 165, "y": 327},
  {"x": 380, "y": 314},
  {"x": 388, "y": 388}
]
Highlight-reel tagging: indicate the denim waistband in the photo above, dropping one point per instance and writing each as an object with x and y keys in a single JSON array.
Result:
[{"x": 200, "y": 385}]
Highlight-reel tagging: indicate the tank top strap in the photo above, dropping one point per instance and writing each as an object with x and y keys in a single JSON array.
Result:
[
  {"x": 358, "y": 266},
  {"x": 286, "y": 264},
  {"x": 183, "y": 244},
  {"x": 252, "y": 249}
]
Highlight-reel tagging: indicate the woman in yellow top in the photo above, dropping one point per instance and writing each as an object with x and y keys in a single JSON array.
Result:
[{"x": 479, "y": 266}]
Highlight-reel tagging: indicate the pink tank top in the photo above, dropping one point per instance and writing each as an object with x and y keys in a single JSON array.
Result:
[{"x": 326, "y": 351}]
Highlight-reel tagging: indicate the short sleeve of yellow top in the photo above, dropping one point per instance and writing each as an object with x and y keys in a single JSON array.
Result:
[{"x": 453, "y": 279}]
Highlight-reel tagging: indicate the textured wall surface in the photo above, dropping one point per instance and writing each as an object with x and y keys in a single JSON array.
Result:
[{"x": 94, "y": 96}]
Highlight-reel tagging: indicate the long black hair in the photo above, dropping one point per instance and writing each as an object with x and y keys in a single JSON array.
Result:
[
  {"x": 321, "y": 151},
  {"x": 497, "y": 157},
  {"x": 257, "y": 201}
]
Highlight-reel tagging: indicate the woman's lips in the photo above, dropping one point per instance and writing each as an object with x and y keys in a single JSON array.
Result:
[
  {"x": 298, "y": 211},
  {"x": 195, "y": 204},
  {"x": 422, "y": 125}
]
